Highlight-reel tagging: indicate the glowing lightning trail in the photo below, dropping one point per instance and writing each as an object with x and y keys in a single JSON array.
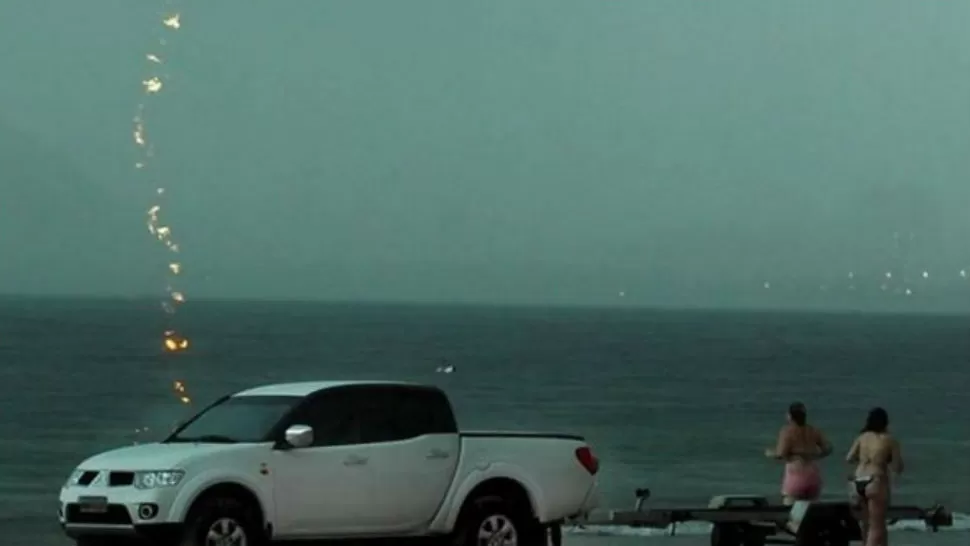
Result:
[{"x": 152, "y": 85}]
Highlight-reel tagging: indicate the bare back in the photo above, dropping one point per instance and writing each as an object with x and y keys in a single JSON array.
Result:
[
  {"x": 876, "y": 454},
  {"x": 802, "y": 443}
]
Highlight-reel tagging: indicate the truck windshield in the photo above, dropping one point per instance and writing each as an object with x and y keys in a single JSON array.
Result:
[{"x": 237, "y": 419}]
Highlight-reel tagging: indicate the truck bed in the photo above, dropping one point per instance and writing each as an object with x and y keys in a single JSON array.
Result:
[{"x": 520, "y": 434}]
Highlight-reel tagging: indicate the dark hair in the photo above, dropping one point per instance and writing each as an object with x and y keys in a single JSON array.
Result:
[
  {"x": 798, "y": 413},
  {"x": 877, "y": 421}
]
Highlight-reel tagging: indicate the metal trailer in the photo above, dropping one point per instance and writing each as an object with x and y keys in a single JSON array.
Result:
[{"x": 750, "y": 520}]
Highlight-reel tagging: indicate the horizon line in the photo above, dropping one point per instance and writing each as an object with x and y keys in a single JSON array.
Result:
[{"x": 797, "y": 308}]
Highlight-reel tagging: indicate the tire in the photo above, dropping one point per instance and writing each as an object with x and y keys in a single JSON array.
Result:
[
  {"x": 555, "y": 534},
  {"x": 484, "y": 518},
  {"x": 221, "y": 516},
  {"x": 826, "y": 536},
  {"x": 727, "y": 534}
]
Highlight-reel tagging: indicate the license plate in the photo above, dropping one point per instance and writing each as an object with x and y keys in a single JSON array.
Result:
[{"x": 93, "y": 505}]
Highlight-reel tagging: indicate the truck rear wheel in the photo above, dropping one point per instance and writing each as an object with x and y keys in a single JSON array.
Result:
[
  {"x": 222, "y": 521},
  {"x": 492, "y": 521}
]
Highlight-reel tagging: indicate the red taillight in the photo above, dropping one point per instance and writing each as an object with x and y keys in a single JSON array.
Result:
[{"x": 586, "y": 458}]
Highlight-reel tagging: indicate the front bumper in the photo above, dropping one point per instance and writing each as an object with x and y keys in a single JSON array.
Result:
[
  {"x": 161, "y": 534},
  {"x": 119, "y": 512}
]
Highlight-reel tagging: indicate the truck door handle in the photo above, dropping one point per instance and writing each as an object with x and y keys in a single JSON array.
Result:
[
  {"x": 437, "y": 454},
  {"x": 355, "y": 460}
]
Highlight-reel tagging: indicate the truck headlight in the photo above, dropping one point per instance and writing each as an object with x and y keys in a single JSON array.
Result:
[{"x": 152, "y": 479}]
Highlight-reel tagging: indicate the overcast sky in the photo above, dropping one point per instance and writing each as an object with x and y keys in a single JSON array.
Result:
[{"x": 513, "y": 150}]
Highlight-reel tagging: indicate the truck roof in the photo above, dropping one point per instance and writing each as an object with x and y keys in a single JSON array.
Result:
[{"x": 305, "y": 388}]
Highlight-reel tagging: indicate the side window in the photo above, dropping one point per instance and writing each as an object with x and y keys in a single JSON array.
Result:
[
  {"x": 378, "y": 413},
  {"x": 400, "y": 413},
  {"x": 440, "y": 416},
  {"x": 334, "y": 417}
]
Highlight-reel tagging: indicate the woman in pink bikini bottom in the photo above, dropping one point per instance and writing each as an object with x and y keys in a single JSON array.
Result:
[
  {"x": 802, "y": 481},
  {"x": 800, "y": 445}
]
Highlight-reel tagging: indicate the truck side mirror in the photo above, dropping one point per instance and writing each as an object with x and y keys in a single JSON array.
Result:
[{"x": 298, "y": 436}]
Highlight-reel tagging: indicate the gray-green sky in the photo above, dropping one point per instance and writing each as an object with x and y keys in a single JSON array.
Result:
[{"x": 681, "y": 152}]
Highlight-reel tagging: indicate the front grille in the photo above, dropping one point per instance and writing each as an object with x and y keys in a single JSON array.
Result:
[
  {"x": 87, "y": 477},
  {"x": 121, "y": 478},
  {"x": 116, "y": 514}
]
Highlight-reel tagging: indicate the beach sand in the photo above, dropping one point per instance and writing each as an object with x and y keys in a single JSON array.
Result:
[
  {"x": 50, "y": 535},
  {"x": 896, "y": 539}
]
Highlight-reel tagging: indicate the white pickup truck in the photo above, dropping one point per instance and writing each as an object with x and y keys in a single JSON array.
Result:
[{"x": 330, "y": 460}]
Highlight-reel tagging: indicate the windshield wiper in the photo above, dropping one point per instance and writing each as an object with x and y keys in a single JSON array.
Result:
[{"x": 206, "y": 439}]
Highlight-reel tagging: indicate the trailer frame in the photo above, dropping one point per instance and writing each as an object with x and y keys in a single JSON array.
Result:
[{"x": 751, "y": 520}]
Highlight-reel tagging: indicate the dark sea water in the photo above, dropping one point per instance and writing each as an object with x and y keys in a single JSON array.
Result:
[{"x": 682, "y": 402}]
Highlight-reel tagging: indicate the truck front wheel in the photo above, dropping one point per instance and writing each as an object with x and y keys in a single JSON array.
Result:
[
  {"x": 494, "y": 522},
  {"x": 222, "y": 521}
]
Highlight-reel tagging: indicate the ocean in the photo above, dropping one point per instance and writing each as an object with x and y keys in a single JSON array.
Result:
[{"x": 683, "y": 402}]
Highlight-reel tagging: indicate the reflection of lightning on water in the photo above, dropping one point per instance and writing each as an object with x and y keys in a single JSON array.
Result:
[{"x": 152, "y": 86}]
